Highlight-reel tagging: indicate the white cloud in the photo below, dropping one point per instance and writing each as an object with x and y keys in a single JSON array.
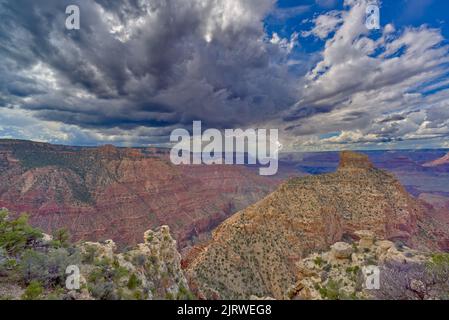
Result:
[
  {"x": 140, "y": 68},
  {"x": 285, "y": 44},
  {"x": 360, "y": 80},
  {"x": 324, "y": 25}
]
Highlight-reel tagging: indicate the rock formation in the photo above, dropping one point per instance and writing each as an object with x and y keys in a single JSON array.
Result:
[
  {"x": 402, "y": 273},
  {"x": 257, "y": 248},
  {"x": 150, "y": 270},
  {"x": 155, "y": 266}
]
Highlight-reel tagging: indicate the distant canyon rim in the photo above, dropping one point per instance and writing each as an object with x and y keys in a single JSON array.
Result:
[{"x": 101, "y": 193}]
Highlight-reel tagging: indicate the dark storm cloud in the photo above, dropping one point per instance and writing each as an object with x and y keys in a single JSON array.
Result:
[
  {"x": 353, "y": 116},
  {"x": 143, "y": 63},
  {"x": 138, "y": 69},
  {"x": 392, "y": 118}
]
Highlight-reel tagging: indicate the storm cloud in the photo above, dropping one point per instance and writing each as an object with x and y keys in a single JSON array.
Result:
[
  {"x": 137, "y": 69},
  {"x": 136, "y": 63}
]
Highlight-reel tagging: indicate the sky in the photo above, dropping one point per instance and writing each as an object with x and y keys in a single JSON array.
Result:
[{"x": 138, "y": 69}]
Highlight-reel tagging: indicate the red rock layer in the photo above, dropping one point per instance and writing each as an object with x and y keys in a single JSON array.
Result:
[{"x": 116, "y": 193}]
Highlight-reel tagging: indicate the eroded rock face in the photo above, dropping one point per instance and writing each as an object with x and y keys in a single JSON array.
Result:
[
  {"x": 152, "y": 270},
  {"x": 256, "y": 249},
  {"x": 119, "y": 193}
]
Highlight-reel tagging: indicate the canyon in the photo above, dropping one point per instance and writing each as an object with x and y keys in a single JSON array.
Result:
[
  {"x": 258, "y": 247},
  {"x": 100, "y": 193},
  {"x": 119, "y": 193},
  {"x": 224, "y": 232}
]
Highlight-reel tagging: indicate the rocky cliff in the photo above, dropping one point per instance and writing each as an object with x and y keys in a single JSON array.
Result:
[
  {"x": 151, "y": 270},
  {"x": 258, "y": 247},
  {"x": 118, "y": 193},
  {"x": 36, "y": 266},
  {"x": 371, "y": 268}
]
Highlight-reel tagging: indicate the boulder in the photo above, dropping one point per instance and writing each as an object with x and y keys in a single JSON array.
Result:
[
  {"x": 383, "y": 247},
  {"x": 341, "y": 250},
  {"x": 366, "y": 238},
  {"x": 46, "y": 238}
]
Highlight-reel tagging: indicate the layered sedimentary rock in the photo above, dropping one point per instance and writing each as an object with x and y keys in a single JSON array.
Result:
[
  {"x": 118, "y": 193},
  {"x": 257, "y": 248}
]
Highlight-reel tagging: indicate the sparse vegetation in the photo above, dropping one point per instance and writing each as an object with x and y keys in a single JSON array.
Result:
[
  {"x": 185, "y": 294},
  {"x": 331, "y": 291},
  {"x": 16, "y": 234},
  {"x": 37, "y": 265},
  {"x": 34, "y": 291},
  {"x": 61, "y": 238},
  {"x": 318, "y": 261},
  {"x": 133, "y": 282}
]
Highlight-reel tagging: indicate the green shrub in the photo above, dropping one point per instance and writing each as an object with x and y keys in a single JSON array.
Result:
[
  {"x": 332, "y": 290},
  {"x": 120, "y": 272},
  {"x": 353, "y": 270},
  {"x": 440, "y": 260},
  {"x": 185, "y": 294},
  {"x": 138, "y": 295},
  {"x": 169, "y": 296},
  {"x": 61, "y": 238},
  {"x": 33, "y": 266},
  {"x": 95, "y": 276},
  {"x": 47, "y": 268},
  {"x": 89, "y": 255},
  {"x": 104, "y": 291},
  {"x": 439, "y": 266},
  {"x": 16, "y": 235},
  {"x": 133, "y": 282},
  {"x": 56, "y": 294},
  {"x": 33, "y": 291},
  {"x": 318, "y": 261},
  {"x": 8, "y": 265}
]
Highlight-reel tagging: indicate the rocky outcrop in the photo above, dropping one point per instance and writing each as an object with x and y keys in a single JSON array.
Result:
[
  {"x": 118, "y": 193},
  {"x": 47, "y": 268},
  {"x": 341, "y": 250},
  {"x": 354, "y": 161},
  {"x": 152, "y": 270},
  {"x": 325, "y": 276},
  {"x": 366, "y": 238},
  {"x": 257, "y": 248}
]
